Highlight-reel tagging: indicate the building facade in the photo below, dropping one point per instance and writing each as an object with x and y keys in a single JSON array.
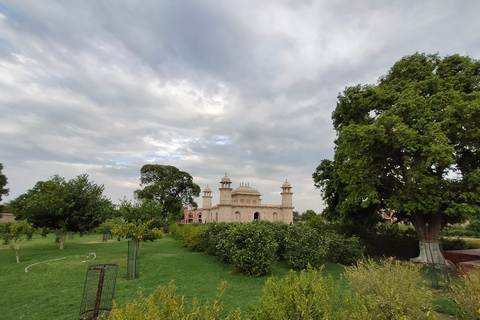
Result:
[
  {"x": 192, "y": 215},
  {"x": 245, "y": 205}
]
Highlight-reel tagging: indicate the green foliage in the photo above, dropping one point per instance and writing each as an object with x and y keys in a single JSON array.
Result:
[
  {"x": 169, "y": 186},
  {"x": 453, "y": 244},
  {"x": 467, "y": 295},
  {"x": 145, "y": 210},
  {"x": 138, "y": 231},
  {"x": 343, "y": 250},
  {"x": 212, "y": 239},
  {"x": 474, "y": 227},
  {"x": 424, "y": 117},
  {"x": 390, "y": 290},
  {"x": 252, "y": 247},
  {"x": 188, "y": 234},
  {"x": 11, "y": 233},
  {"x": 307, "y": 296},
  {"x": 108, "y": 225},
  {"x": 77, "y": 205},
  {"x": 303, "y": 246},
  {"x": 387, "y": 239},
  {"x": 3, "y": 191},
  {"x": 296, "y": 216},
  {"x": 280, "y": 231},
  {"x": 307, "y": 215},
  {"x": 165, "y": 303}
]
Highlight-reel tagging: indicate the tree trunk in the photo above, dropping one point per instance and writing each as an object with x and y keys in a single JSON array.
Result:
[
  {"x": 63, "y": 236},
  {"x": 16, "y": 247},
  {"x": 429, "y": 239}
]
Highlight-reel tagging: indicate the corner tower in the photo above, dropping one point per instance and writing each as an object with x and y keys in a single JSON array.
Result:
[
  {"x": 287, "y": 195},
  {"x": 207, "y": 197},
  {"x": 225, "y": 190}
]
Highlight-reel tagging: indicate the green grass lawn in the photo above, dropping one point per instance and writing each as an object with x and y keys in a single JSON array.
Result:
[{"x": 53, "y": 290}]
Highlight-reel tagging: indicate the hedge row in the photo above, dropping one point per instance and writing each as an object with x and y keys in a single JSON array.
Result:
[{"x": 253, "y": 247}]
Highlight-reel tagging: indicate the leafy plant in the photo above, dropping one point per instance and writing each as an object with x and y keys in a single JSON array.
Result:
[
  {"x": 467, "y": 295},
  {"x": 390, "y": 289},
  {"x": 139, "y": 231},
  {"x": 11, "y": 233},
  {"x": 340, "y": 249},
  {"x": 165, "y": 303},
  {"x": 252, "y": 247},
  {"x": 303, "y": 246},
  {"x": 307, "y": 296}
]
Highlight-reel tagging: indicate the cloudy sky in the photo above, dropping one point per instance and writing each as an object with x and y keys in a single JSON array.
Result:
[{"x": 245, "y": 88}]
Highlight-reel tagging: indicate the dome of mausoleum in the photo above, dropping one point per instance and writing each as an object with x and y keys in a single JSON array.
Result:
[{"x": 246, "y": 190}]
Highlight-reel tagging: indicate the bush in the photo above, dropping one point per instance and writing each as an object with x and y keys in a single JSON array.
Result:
[
  {"x": 210, "y": 236},
  {"x": 251, "y": 247},
  {"x": 390, "y": 290},
  {"x": 307, "y": 296},
  {"x": 467, "y": 295},
  {"x": 321, "y": 224},
  {"x": 173, "y": 230},
  {"x": 303, "y": 246},
  {"x": 165, "y": 303},
  {"x": 280, "y": 230},
  {"x": 190, "y": 236},
  {"x": 346, "y": 251},
  {"x": 453, "y": 244}
]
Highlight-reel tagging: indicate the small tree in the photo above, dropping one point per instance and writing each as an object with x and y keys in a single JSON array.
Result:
[
  {"x": 77, "y": 205},
  {"x": 12, "y": 232},
  {"x": 138, "y": 231},
  {"x": 145, "y": 210}
]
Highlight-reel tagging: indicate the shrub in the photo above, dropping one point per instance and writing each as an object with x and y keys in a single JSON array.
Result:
[
  {"x": 340, "y": 249},
  {"x": 467, "y": 295},
  {"x": 165, "y": 303},
  {"x": 390, "y": 290},
  {"x": 173, "y": 230},
  {"x": 321, "y": 224},
  {"x": 190, "y": 236},
  {"x": 251, "y": 247},
  {"x": 280, "y": 230},
  {"x": 307, "y": 296},
  {"x": 458, "y": 230},
  {"x": 211, "y": 235},
  {"x": 453, "y": 244},
  {"x": 303, "y": 246}
]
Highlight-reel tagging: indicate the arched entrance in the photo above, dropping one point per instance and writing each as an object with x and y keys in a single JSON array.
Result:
[{"x": 256, "y": 216}]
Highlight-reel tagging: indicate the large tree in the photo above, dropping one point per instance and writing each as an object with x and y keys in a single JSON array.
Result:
[
  {"x": 77, "y": 205},
  {"x": 169, "y": 186},
  {"x": 408, "y": 145},
  {"x": 3, "y": 190}
]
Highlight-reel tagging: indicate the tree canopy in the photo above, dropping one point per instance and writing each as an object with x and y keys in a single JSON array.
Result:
[
  {"x": 408, "y": 145},
  {"x": 308, "y": 215},
  {"x": 77, "y": 205},
  {"x": 3, "y": 191},
  {"x": 169, "y": 186}
]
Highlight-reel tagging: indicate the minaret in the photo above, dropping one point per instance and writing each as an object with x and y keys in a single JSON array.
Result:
[
  {"x": 207, "y": 197},
  {"x": 225, "y": 190},
  {"x": 287, "y": 195}
]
